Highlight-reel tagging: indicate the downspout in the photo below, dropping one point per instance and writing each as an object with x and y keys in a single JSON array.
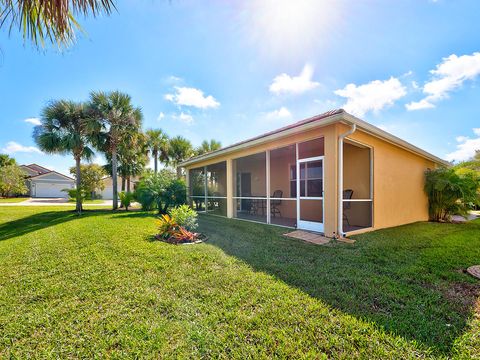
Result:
[{"x": 340, "y": 232}]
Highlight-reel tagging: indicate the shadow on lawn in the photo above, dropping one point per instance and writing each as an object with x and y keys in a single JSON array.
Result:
[
  {"x": 39, "y": 221},
  {"x": 398, "y": 287}
]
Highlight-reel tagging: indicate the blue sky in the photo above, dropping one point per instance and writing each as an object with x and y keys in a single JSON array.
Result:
[{"x": 233, "y": 69}]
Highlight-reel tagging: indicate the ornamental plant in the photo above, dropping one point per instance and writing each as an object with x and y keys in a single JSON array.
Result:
[{"x": 185, "y": 216}]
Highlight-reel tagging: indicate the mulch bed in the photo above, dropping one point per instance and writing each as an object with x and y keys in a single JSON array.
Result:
[{"x": 198, "y": 240}]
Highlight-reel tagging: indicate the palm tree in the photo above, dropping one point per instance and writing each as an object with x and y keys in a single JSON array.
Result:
[
  {"x": 208, "y": 146},
  {"x": 66, "y": 128},
  {"x": 52, "y": 20},
  {"x": 120, "y": 121},
  {"x": 157, "y": 144},
  {"x": 180, "y": 149},
  {"x": 131, "y": 159}
]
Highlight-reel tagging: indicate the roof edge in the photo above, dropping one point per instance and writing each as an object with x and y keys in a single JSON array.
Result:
[{"x": 324, "y": 119}]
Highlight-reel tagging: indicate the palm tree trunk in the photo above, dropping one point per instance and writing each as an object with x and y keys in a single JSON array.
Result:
[
  {"x": 114, "y": 179},
  {"x": 123, "y": 183},
  {"x": 78, "y": 176},
  {"x": 128, "y": 183},
  {"x": 155, "y": 157}
]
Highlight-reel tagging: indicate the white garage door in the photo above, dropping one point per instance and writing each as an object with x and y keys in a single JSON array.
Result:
[{"x": 52, "y": 190}]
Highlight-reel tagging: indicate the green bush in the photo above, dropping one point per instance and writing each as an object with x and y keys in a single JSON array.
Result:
[
  {"x": 185, "y": 216},
  {"x": 161, "y": 191},
  {"x": 450, "y": 193},
  {"x": 72, "y": 194},
  {"x": 126, "y": 199}
]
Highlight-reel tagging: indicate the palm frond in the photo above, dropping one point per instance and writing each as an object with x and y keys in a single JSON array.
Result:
[{"x": 50, "y": 20}]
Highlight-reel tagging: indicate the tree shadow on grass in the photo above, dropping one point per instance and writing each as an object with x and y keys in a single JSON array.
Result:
[
  {"x": 134, "y": 214},
  {"x": 404, "y": 287},
  {"x": 38, "y": 221}
]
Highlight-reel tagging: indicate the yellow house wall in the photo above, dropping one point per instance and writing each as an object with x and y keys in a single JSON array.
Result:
[{"x": 398, "y": 179}]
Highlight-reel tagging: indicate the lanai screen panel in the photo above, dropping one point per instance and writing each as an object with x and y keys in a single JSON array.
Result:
[
  {"x": 357, "y": 187},
  {"x": 250, "y": 187},
  {"x": 283, "y": 202},
  {"x": 216, "y": 177},
  {"x": 196, "y": 188}
]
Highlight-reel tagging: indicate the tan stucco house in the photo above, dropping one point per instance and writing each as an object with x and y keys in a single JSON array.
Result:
[{"x": 332, "y": 173}]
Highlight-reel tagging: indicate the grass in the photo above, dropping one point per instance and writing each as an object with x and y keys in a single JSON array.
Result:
[
  {"x": 98, "y": 286},
  {"x": 12, "y": 200}
]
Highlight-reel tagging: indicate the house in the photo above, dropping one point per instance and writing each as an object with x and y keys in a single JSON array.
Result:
[
  {"x": 332, "y": 173},
  {"x": 44, "y": 183},
  {"x": 107, "y": 192}
]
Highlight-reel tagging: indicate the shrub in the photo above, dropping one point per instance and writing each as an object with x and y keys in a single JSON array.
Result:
[
  {"x": 185, "y": 216},
  {"x": 72, "y": 194},
  {"x": 171, "y": 231},
  {"x": 161, "y": 191},
  {"x": 12, "y": 180},
  {"x": 126, "y": 199},
  {"x": 167, "y": 226},
  {"x": 450, "y": 193}
]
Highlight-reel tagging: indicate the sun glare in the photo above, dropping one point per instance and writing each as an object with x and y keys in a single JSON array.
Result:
[{"x": 293, "y": 27}]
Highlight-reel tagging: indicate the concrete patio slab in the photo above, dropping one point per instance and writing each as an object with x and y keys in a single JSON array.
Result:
[
  {"x": 474, "y": 271},
  {"x": 308, "y": 236}
]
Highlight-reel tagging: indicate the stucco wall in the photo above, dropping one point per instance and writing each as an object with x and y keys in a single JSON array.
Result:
[{"x": 398, "y": 179}]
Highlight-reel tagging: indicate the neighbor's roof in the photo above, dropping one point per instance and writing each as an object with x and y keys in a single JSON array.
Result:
[
  {"x": 327, "y": 118},
  {"x": 50, "y": 173},
  {"x": 40, "y": 170}
]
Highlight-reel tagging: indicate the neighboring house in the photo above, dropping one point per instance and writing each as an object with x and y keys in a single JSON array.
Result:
[
  {"x": 107, "y": 192},
  {"x": 332, "y": 173},
  {"x": 44, "y": 183}
]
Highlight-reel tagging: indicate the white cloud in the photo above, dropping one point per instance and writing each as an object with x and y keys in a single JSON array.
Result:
[
  {"x": 33, "y": 121},
  {"x": 466, "y": 147},
  {"x": 14, "y": 147},
  {"x": 281, "y": 113},
  {"x": 418, "y": 105},
  {"x": 183, "y": 117},
  {"x": 187, "y": 96},
  {"x": 448, "y": 76},
  {"x": 286, "y": 84},
  {"x": 160, "y": 116},
  {"x": 373, "y": 96}
]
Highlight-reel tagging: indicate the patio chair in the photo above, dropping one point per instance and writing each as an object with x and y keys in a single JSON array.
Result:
[
  {"x": 347, "y": 195},
  {"x": 276, "y": 202}
]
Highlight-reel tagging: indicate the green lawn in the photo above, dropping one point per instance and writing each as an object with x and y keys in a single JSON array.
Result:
[
  {"x": 98, "y": 286},
  {"x": 12, "y": 200}
]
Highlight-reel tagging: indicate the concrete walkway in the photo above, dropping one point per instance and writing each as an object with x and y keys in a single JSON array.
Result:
[{"x": 53, "y": 202}]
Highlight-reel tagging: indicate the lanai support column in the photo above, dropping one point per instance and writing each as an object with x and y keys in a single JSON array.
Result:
[{"x": 230, "y": 188}]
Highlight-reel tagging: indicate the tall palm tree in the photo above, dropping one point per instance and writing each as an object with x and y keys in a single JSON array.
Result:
[
  {"x": 66, "y": 128},
  {"x": 157, "y": 145},
  {"x": 52, "y": 20},
  {"x": 179, "y": 149},
  {"x": 131, "y": 158},
  {"x": 120, "y": 121},
  {"x": 208, "y": 146}
]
